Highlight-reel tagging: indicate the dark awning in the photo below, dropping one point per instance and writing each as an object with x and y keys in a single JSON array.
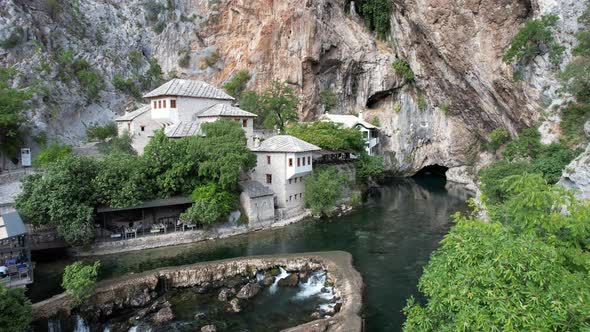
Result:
[
  {"x": 177, "y": 200},
  {"x": 11, "y": 225}
]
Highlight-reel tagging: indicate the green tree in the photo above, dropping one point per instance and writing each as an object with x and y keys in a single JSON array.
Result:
[
  {"x": 370, "y": 168},
  {"x": 211, "y": 204},
  {"x": 79, "y": 280},
  {"x": 13, "y": 103},
  {"x": 120, "y": 144},
  {"x": 323, "y": 189},
  {"x": 98, "y": 133},
  {"x": 492, "y": 176},
  {"x": 498, "y": 137},
  {"x": 532, "y": 39},
  {"x": 329, "y": 136},
  {"x": 120, "y": 181},
  {"x": 376, "y": 14},
  {"x": 54, "y": 152},
  {"x": 522, "y": 271},
  {"x": 329, "y": 99},
  {"x": 250, "y": 102},
  {"x": 278, "y": 105},
  {"x": 15, "y": 310},
  {"x": 71, "y": 208},
  {"x": 237, "y": 84}
]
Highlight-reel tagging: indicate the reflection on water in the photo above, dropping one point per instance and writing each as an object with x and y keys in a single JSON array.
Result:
[{"x": 390, "y": 238}]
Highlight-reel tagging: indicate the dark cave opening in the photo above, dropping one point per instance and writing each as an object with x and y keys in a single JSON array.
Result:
[{"x": 432, "y": 170}]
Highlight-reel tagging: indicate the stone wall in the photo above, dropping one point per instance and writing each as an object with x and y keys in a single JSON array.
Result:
[{"x": 138, "y": 290}]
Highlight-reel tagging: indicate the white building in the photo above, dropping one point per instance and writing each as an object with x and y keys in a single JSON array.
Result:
[
  {"x": 283, "y": 163},
  {"x": 179, "y": 107},
  {"x": 370, "y": 132}
]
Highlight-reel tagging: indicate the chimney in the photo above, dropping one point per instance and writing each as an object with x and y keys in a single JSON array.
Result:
[{"x": 361, "y": 117}]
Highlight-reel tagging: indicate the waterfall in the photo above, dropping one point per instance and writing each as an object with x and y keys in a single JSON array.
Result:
[
  {"x": 259, "y": 277},
  {"x": 54, "y": 325},
  {"x": 284, "y": 274},
  {"x": 313, "y": 286},
  {"x": 81, "y": 325}
]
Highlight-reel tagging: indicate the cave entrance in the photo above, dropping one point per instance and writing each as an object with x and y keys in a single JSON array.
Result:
[{"x": 432, "y": 170}]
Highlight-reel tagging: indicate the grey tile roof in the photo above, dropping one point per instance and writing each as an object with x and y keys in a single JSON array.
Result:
[
  {"x": 285, "y": 143},
  {"x": 255, "y": 189},
  {"x": 132, "y": 115},
  {"x": 11, "y": 225},
  {"x": 183, "y": 129},
  {"x": 225, "y": 110},
  {"x": 188, "y": 88}
]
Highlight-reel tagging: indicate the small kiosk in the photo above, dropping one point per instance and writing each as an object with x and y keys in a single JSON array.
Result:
[{"x": 16, "y": 268}]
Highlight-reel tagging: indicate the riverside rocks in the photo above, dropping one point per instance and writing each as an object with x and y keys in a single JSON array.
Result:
[
  {"x": 209, "y": 328},
  {"x": 225, "y": 294},
  {"x": 290, "y": 281},
  {"x": 163, "y": 315},
  {"x": 235, "y": 305},
  {"x": 249, "y": 291}
]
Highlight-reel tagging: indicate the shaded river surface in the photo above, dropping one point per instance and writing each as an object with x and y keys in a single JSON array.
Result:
[{"x": 391, "y": 239}]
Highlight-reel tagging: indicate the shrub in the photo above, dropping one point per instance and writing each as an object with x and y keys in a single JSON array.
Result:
[
  {"x": 159, "y": 27},
  {"x": 552, "y": 160},
  {"x": 527, "y": 145},
  {"x": 79, "y": 281},
  {"x": 422, "y": 103},
  {"x": 101, "y": 133},
  {"x": 12, "y": 40},
  {"x": 576, "y": 80},
  {"x": 402, "y": 68},
  {"x": 532, "y": 39},
  {"x": 15, "y": 310},
  {"x": 211, "y": 59},
  {"x": 498, "y": 137},
  {"x": 53, "y": 8},
  {"x": 376, "y": 122},
  {"x": 237, "y": 84},
  {"x": 211, "y": 204},
  {"x": 153, "y": 10},
  {"x": 573, "y": 119},
  {"x": 329, "y": 99},
  {"x": 128, "y": 86},
  {"x": 370, "y": 168},
  {"x": 53, "y": 153},
  {"x": 323, "y": 189},
  {"x": 376, "y": 14},
  {"x": 184, "y": 60},
  {"x": 492, "y": 176}
]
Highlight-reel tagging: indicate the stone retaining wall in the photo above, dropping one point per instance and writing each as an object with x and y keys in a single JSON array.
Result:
[{"x": 135, "y": 290}]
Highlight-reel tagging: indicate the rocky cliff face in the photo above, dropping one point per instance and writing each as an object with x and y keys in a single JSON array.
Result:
[{"x": 461, "y": 92}]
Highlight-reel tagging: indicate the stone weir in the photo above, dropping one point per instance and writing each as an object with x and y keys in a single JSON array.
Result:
[{"x": 139, "y": 290}]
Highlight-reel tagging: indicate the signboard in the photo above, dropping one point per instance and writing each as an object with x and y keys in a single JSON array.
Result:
[{"x": 25, "y": 157}]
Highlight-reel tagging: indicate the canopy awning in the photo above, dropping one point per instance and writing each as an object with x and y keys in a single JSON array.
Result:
[
  {"x": 178, "y": 200},
  {"x": 11, "y": 225}
]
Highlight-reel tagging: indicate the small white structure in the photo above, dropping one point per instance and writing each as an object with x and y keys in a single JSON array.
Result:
[
  {"x": 283, "y": 163},
  {"x": 370, "y": 132},
  {"x": 179, "y": 107}
]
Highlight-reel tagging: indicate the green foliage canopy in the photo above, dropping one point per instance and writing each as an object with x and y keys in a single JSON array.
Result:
[
  {"x": 79, "y": 281},
  {"x": 323, "y": 189},
  {"x": 523, "y": 271},
  {"x": 278, "y": 105},
  {"x": 532, "y": 40},
  {"x": 211, "y": 204},
  {"x": 403, "y": 69},
  {"x": 13, "y": 103},
  {"x": 370, "y": 168},
  {"x": 376, "y": 14},
  {"x": 15, "y": 310},
  {"x": 498, "y": 137},
  {"x": 101, "y": 133},
  {"x": 54, "y": 152},
  {"x": 237, "y": 84},
  {"x": 329, "y": 136},
  {"x": 329, "y": 99}
]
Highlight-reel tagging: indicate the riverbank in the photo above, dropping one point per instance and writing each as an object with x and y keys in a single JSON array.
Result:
[
  {"x": 135, "y": 290},
  {"x": 179, "y": 238}
]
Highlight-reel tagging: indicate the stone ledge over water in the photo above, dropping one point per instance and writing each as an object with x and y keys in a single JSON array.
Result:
[{"x": 138, "y": 290}]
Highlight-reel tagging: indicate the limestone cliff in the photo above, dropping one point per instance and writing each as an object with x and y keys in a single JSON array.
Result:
[{"x": 461, "y": 92}]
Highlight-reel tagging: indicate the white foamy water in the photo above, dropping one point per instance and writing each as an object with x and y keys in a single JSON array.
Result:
[
  {"x": 81, "y": 325},
  {"x": 53, "y": 325},
  {"x": 313, "y": 286},
  {"x": 259, "y": 277},
  {"x": 284, "y": 274}
]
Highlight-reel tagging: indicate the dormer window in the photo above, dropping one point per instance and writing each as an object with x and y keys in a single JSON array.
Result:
[{"x": 173, "y": 103}]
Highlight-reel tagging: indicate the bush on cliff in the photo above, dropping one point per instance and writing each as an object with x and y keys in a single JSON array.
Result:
[
  {"x": 15, "y": 309},
  {"x": 79, "y": 281}
]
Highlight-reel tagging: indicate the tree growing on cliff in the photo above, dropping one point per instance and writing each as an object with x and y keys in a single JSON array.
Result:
[
  {"x": 15, "y": 309},
  {"x": 237, "y": 84},
  {"x": 533, "y": 39},
  {"x": 13, "y": 103},
  {"x": 79, "y": 281},
  {"x": 278, "y": 105}
]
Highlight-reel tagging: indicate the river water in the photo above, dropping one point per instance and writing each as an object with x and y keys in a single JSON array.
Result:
[{"x": 390, "y": 238}]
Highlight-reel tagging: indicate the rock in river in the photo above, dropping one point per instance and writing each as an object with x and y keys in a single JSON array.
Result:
[
  {"x": 248, "y": 291},
  {"x": 225, "y": 294},
  {"x": 235, "y": 305},
  {"x": 208, "y": 328},
  {"x": 163, "y": 315},
  {"x": 290, "y": 281}
]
